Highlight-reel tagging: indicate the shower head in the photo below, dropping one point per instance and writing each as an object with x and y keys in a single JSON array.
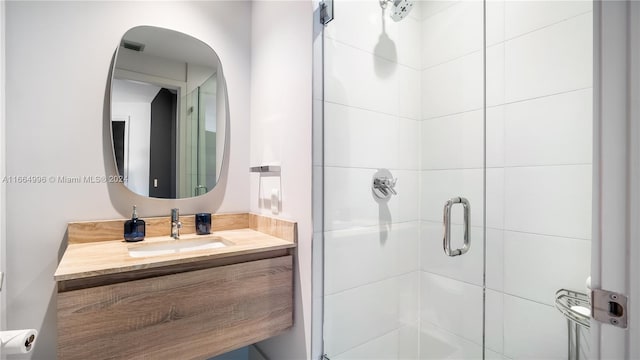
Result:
[{"x": 399, "y": 9}]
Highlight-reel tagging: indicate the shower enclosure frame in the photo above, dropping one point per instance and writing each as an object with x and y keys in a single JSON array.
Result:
[
  {"x": 616, "y": 171},
  {"x": 616, "y": 161}
]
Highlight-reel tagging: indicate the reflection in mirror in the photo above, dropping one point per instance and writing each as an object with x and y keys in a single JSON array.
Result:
[{"x": 168, "y": 113}]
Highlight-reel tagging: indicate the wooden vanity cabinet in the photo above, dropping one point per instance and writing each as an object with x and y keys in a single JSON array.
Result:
[{"x": 185, "y": 315}]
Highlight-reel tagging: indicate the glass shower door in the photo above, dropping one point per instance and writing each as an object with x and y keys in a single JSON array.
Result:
[
  {"x": 437, "y": 107},
  {"x": 198, "y": 140},
  {"x": 452, "y": 166},
  {"x": 403, "y": 135}
]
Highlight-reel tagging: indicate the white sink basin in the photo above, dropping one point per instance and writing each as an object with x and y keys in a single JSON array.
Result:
[{"x": 175, "y": 247}]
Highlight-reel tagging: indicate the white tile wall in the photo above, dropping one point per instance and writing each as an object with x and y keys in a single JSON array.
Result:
[
  {"x": 357, "y": 78},
  {"x": 565, "y": 265},
  {"x": 467, "y": 268},
  {"x": 549, "y": 200},
  {"x": 495, "y": 259},
  {"x": 359, "y": 315},
  {"x": 533, "y": 330},
  {"x": 432, "y": 7},
  {"x": 494, "y": 321},
  {"x": 409, "y": 342},
  {"x": 553, "y": 130},
  {"x": 495, "y": 84},
  {"x": 438, "y": 186},
  {"x": 349, "y": 203},
  {"x": 524, "y": 16},
  {"x": 372, "y": 109},
  {"x": 495, "y": 21},
  {"x": 409, "y": 93},
  {"x": 360, "y": 256},
  {"x": 495, "y": 197},
  {"x": 452, "y": 33},
  {"x": 552, "y": 60},
  {"x": 495, "y": 136},
  {"x": 416, "y": 13},
  {"x": 364, "y": 138},
  {"x": 453, "y": 87},
  {"x": 408, "y": 40},
  {"x": 437, "y": 344},
  {"x": 402, "y": 343},
  {"x": 452, "y": 305},
  {"x": 361, "y": 25},
  {"x": 453, "y": 142}
]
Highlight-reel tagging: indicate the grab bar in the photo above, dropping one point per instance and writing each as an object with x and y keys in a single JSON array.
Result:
[{"x": 446, "y": 242}]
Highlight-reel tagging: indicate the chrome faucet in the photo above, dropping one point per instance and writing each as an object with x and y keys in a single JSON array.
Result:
[{"x": 175, "y": 224}]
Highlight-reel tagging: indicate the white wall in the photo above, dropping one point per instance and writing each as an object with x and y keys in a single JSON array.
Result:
[
  {"x": 58, "y": 58},
  {"x": 371, "y": 122},
  {"x": 138, "y": 149},
  {"x": 538, "y": 178},
  {"x": 281, "y": 133}
]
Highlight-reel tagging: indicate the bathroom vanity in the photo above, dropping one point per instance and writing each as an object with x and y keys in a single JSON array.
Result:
[
  {"x": 165, "y": 298},
  {"x": 191, "y": 298}
]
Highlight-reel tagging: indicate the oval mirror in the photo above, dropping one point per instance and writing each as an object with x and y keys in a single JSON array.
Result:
[{"x": 168, "y": 113}]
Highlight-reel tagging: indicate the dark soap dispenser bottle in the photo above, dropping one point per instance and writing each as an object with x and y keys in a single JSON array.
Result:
[{"x": 134, "y": 228}]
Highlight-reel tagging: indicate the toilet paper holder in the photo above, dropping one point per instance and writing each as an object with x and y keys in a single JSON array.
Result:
[{"x": 18, "y": 341}]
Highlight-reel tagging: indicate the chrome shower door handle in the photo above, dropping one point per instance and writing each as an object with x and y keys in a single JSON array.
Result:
[{"x": 446, "y": 242}]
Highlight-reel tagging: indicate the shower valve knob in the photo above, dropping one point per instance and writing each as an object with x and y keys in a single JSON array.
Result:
[{"x": 384, "y": 187}]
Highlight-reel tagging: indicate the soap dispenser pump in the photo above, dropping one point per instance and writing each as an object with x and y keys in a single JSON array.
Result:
[{"x": 134, "y": 229}]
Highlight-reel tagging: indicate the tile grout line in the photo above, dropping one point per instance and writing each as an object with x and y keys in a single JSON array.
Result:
[
  {"x": 504, "y": 41},
  {"x": 396, "y": 61},
  {"x": 503, "y": 104},
  {"x": 505, "y": 167},
  {"x": 456, "y": 169},
  {"x": 369, "y": 341},
  {"x": 447, "y": 277},
  {"x": 449, "y": 332},
  {"x": 374, "y": 282},
  {"x": 435, "y": 222},
  {"x": 372, "y": 227},
  {"x": 572, "y": 17},
  {"x": 373, "y": 111}
]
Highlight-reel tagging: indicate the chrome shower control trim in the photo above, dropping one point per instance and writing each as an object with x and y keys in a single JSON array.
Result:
[
  {"x": 446, "y": 242},
  {"x": 383, "y": 187}
]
